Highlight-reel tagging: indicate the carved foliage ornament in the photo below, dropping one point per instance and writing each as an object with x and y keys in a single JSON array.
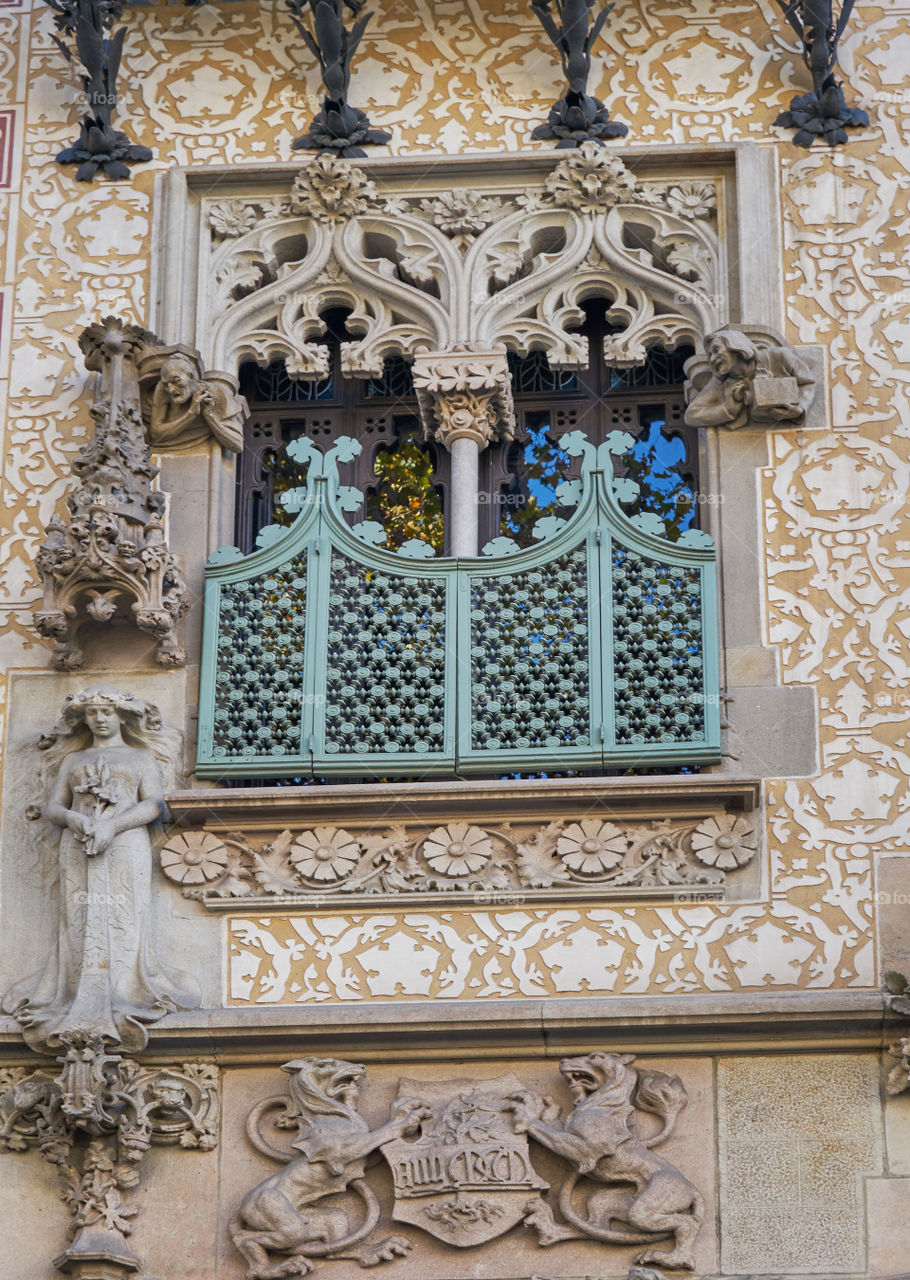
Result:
[
  {"x": 823, "y": 113},
  {"x": 99, "y": 145},
  {"x": 462, "y": 1166},
  {"x": 94, "y": 1121},
  {"x": 586, "y": 854},
  {"x": 109, "y": 555},
  {"x": 465, "y": 393},
  {"x": 495, "y": 270}
]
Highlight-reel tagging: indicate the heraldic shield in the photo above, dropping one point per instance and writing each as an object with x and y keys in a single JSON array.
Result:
[{"x": 467, "y": 1177}]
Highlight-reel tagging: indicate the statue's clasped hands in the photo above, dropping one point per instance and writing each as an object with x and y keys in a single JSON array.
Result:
[{"x": 96, "y": 834}]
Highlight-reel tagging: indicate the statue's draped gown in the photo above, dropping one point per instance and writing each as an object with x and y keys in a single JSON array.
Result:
[{"x": 103, "y": 977}]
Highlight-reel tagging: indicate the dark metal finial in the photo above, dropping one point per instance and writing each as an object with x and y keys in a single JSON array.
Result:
[
  {"x": 99, "y": 145},
  {"x": 577, "y": 117},
  {"x": 823, "y": 113},
  {"x": 338, "y": 127}
]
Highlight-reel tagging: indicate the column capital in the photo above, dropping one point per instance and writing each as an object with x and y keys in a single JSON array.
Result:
[{"x": 465, "y": 393}]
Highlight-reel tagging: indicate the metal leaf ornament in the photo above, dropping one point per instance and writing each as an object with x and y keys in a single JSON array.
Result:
[
  {"x": 337, "y": 127},
  {"x": 99, "y": 145},
  {"x": 577, "y": 117},
  {"x": 823, "y": 113}
]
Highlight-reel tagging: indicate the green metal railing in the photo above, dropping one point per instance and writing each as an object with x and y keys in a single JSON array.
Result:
[{"x": 324, "y": 654}]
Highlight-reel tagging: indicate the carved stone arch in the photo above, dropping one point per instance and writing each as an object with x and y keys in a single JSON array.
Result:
[
  {"x": 540, "y": 307},
  {"x": 271, "y": 307},
  {"x": 418, "y": 275}
]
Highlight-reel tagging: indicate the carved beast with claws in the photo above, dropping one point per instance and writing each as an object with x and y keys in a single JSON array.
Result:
[
  {"x": 598, "y": 1138},
  {"x": 283, "y": 1213}
]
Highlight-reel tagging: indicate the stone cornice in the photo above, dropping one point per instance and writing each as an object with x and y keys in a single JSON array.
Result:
[
  {"x": 730, "y": 1023},
  {"x": 271, "y": 808}
]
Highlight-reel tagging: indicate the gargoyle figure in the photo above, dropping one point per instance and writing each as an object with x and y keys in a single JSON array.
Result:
[
  {"x": 183, "y": 405},
  {"x": 577, "y": 117},
  {"x": 747, "y": 385},
  {"x": 600, "y": 1140},
  {"x": 823, "y": 112},
  {"x": 283, "y": 1214}
]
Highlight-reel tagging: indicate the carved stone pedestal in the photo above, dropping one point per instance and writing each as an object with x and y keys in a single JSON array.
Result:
[{"x": 98, "y": 1254}]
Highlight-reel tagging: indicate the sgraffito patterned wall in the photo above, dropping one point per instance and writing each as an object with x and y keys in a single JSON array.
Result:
[{"x": 222, "y": 83}]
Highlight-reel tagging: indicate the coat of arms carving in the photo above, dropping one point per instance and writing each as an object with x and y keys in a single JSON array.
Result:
[
  {"x": 468, "y": 1177},
  {"x": 461, "y": 1165}
]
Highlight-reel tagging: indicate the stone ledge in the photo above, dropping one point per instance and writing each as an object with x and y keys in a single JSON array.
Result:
[
  {"x": 788, "y": 1022},
  {"x": 270, "y": 808}
]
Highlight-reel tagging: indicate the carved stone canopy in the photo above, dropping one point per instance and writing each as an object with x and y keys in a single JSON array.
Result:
[{"x": 108, "y": 556}]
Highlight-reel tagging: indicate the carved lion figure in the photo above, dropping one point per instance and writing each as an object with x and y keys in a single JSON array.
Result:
[
  {"x": 599, "y": 1138},
  {"x": 283, "y": 1213}
]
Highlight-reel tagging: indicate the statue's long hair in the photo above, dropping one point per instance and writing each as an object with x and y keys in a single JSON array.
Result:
[{"x": 141, "y": 726}]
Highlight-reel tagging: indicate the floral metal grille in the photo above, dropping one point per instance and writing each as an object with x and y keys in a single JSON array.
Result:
[
  {"x": 529, "y": 657},
  {"x": 657, "y": 651},
  {"x": 385, "y": 680},
  {"x": 327, "y": 654},
  {"x": 258, "y": 684}
]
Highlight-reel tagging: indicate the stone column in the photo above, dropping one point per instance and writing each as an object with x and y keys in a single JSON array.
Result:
[{"x": 465, "y": 399}]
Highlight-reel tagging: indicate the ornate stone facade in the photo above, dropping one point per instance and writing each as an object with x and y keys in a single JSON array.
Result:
[{"x": 460, "y": 938}]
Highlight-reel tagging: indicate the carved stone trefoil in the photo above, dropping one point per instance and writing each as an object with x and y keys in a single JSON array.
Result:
[
  {"x": 413, "y": 296},
  {"x": 94, "y": 1121}
]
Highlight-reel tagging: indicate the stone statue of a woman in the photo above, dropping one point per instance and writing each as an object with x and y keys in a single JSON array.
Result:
[{"x": 101, "y": 790}]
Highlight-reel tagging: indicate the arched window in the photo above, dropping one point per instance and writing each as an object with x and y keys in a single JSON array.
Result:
[{"x": 405, "y": 478}]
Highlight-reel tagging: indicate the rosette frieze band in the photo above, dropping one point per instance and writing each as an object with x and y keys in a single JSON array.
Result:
[{"x": 434, "y": 851}]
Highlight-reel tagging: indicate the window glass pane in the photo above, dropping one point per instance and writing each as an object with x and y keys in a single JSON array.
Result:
[
  {"x": 655, "y": 462},
  {"x": 403, "y": 499},
  {"x": 537, "y": 466},
  {"x": 273, "y": 385}
]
